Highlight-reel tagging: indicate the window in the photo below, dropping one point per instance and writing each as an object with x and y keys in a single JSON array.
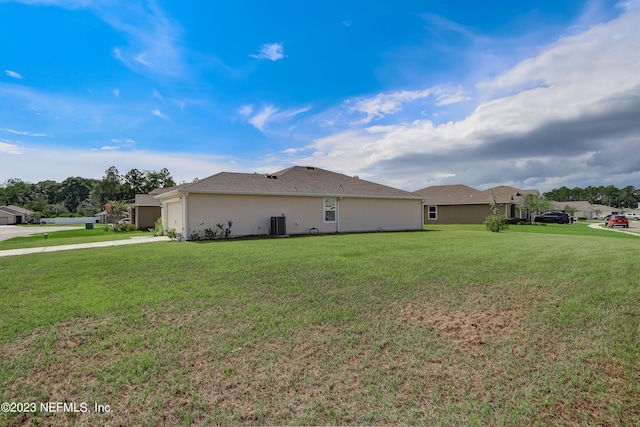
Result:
[
  {"x": 432, "y": 212},
  {"x": 330, "y": 209}
]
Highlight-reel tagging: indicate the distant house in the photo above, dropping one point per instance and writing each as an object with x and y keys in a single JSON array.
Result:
[
  {"x": 297, "y": 200},
  {"x": 601, "y": 211},
  {"x": 460, "y": 204},
  {"x": 12, "y": 214},
  {"x": 582, "y": 209},
  {"x": 145, "y": 210}
]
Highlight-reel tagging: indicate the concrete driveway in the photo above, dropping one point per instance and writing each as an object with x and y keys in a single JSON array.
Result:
[
  {"x": 634, "y": 227},
  {"x": 11, "y": 231}
]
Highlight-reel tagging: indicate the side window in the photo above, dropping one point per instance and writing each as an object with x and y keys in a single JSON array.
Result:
[
  {"x": 432, "y": 213},
  {"x": 330, "y": 209}
]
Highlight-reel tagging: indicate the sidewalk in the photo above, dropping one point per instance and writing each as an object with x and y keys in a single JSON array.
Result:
[{"x": 130, "y": 241}]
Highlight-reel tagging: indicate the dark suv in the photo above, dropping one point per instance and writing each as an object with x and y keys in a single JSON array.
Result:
[{"x": 553, "y": 217}]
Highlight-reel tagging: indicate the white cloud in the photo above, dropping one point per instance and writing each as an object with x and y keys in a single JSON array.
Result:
[
  {"x": 261, "y": 119},
  {"x": 570, "y": 111},
  {"x": 13, "y": 74},
  {"x": 116, "y": 93},
  {"x": 270, "y": 51},
  {"x": 17, "y": 132},
  {"x": 7, "y": 148},
  {"x": 41, "y": 163},
  {"x": 245, "y": 110},
  {"x": 158, "y": 113},
  {"x": 269, "y": 115},
  {"x": 109, "y": 147},
  {"x": 154, "y": 40},
  {"x": 389, "y": 103}
]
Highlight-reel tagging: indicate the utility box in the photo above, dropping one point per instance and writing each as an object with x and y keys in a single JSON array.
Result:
[
  {"x": 88, "y": 226},
  {"x": 278, "y": 225}
]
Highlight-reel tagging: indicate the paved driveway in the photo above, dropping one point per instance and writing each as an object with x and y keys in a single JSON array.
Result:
[
  {"x": 11, "y": 231},
  {"x": 634, "y": 227}
]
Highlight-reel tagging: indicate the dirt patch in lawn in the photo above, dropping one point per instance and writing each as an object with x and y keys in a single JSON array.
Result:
[{"x": 464, "y": 328}]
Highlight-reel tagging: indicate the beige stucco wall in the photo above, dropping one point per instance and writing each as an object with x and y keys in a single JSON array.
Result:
[
  {"x": 459, "y": 214},
  {"x": 359, "y": 214},
  {"x": 251, "y": 214},
  {"x": 146, "y": 216}
]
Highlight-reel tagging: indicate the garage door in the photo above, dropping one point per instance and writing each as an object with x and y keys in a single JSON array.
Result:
[{"x": 174, "y": 216}]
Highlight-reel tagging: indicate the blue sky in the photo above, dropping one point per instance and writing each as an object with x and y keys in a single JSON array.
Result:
[{"x": 536, "y": 94}]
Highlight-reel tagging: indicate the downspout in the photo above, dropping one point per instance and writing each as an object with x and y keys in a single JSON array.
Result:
[
  {"x": 424, "y": 202},
  {"x": 185, "y": 216},
  {"x": 338, "y": 214}
]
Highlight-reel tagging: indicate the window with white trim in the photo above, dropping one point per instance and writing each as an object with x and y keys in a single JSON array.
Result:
[
  {"x": 330, "y": 209},
  {"x": 432, "y": 212}
]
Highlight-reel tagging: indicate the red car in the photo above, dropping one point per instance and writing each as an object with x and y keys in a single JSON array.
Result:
[{"x": 618, "y": 220}]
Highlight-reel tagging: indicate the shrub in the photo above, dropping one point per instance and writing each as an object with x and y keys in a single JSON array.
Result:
[
  {"x": 172, "y": 233},
  {"x": 496, "y": 223},
  {"x": 210, "y": 233},
  {"x": 157, "y": 228},
  {"x": 225, "y": 231}
]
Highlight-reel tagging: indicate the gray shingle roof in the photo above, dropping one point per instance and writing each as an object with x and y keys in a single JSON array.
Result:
[
  {"x": 296, "y": 180},
  {"x": 146, "y": 200},
  {"x": 459, "y": 194},
  {"x": 16, "y": 210},
  {"x": 508, "y": 194},
  {"x": 456, "y": 194}
]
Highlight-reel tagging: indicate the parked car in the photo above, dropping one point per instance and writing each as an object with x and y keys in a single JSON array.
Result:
[
  {"x": 632, "y": 215},
  {"x": 606, "y": 219},
  {"x": 618, "y": 221},
  {"x": 553, "y": 217},
  {"x": 125, "y": 221}
]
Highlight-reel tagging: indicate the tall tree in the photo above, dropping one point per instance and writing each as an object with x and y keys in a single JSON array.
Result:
[
  {"x": 73, "y": 191},
  {"x": 134, "y": 183},
  {"x": 109, "y": 187},
  {"x": 17, "y": 192}
]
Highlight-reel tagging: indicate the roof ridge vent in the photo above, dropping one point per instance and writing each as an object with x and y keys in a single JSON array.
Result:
[
  {"x": 271, "y": 176},
  {"x": 311, "y": 168}
]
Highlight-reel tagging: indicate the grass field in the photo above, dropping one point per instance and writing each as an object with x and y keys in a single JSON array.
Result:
[{"x": 455, "y": 326}]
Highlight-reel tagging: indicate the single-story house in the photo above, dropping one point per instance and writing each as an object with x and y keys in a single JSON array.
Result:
[
  {"x": 12, "y": 214},
  {"x": 601, "y": 211},
  {"x": 583, "y": 209},
  {"x": 460, "y": 204},
  {"x": 297, "y": 200},
  {"x": 146, "y": 208}
]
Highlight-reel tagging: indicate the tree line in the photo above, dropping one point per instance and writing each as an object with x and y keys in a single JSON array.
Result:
[
  {"x": 627, "y": 197},
  {"x": 82, "y": 196}
]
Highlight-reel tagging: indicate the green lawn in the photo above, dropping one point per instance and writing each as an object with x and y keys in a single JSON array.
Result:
[
  {"x": 68, "y": 237},
  {"x": 456, "y": 326}
]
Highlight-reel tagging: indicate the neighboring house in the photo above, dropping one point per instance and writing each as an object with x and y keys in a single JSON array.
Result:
[
  {"x": 146, "y": 208},
  {"x": 601, "y": 211},
  {"x": 460, "y": 204},
  {"x": 511, "y": 198},
  {"x": 7, "y": 217},
  {"x": 583, "y": 209},
  {"x": 14, "y": 215},
  {"x": 454, "y": 204},
  {"x": 297, "y": 200}
]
